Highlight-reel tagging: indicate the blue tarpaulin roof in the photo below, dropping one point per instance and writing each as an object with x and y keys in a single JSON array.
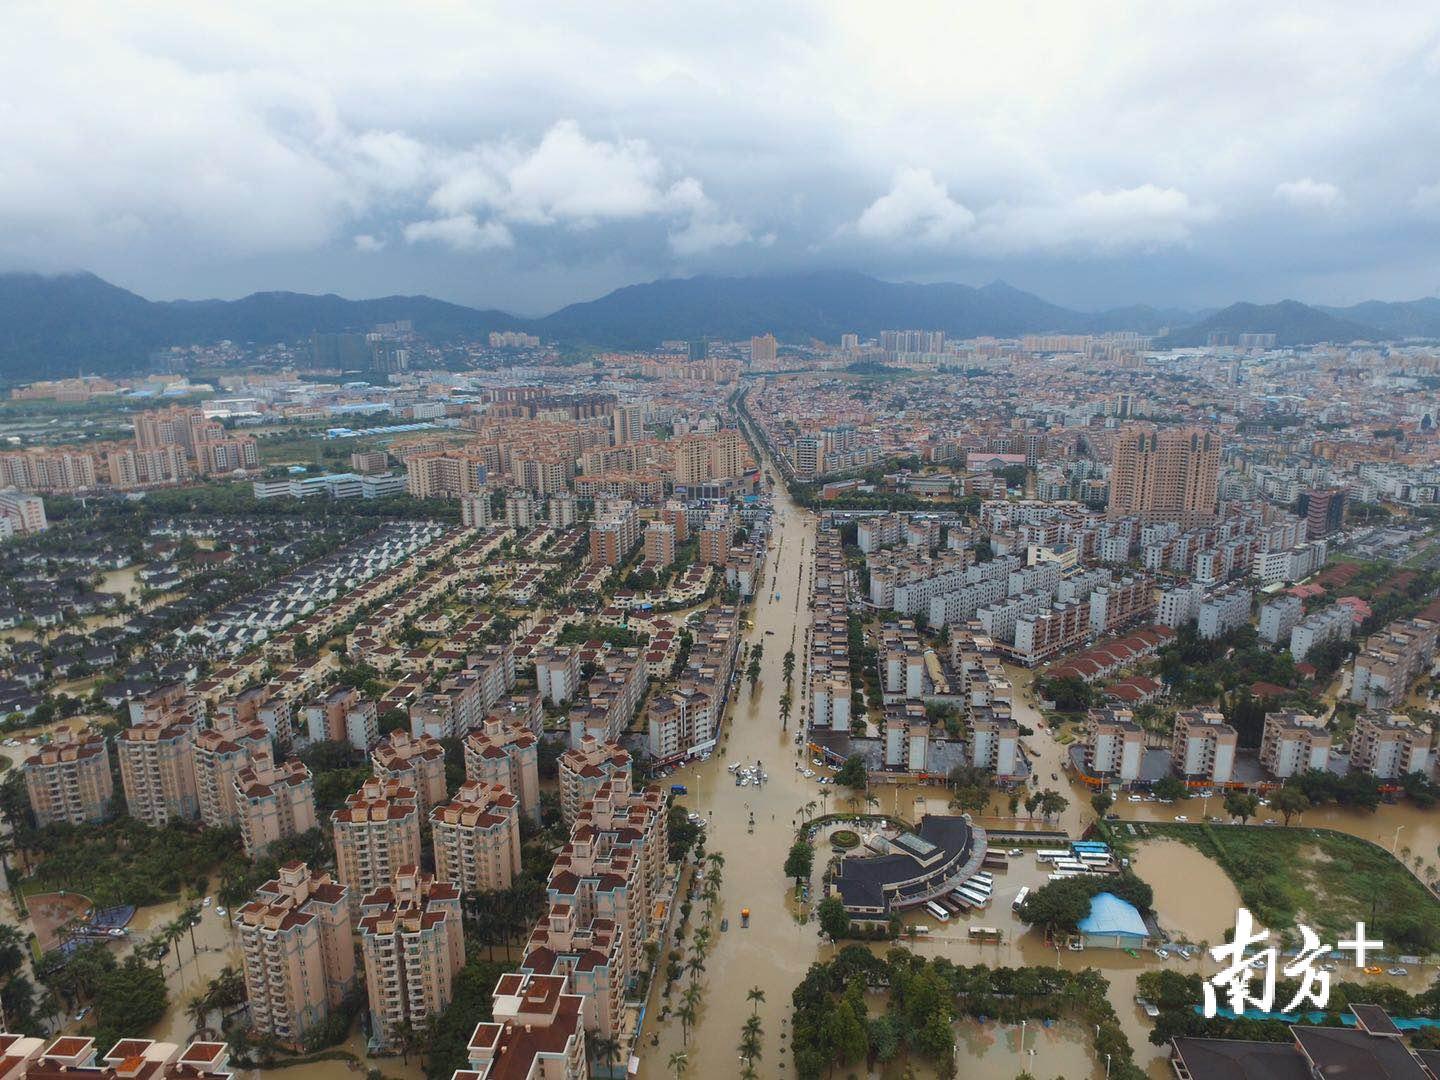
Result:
[{"x": 1109, "y": 915}]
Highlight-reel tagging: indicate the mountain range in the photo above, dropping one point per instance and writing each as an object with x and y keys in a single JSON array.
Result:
[{"x": 52, "y": 326}]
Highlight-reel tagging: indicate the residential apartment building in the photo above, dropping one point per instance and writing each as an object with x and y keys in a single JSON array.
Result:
[
  {"x": 537, "y": 1033},
  {"x": 1116, "y": 745},
  {"x": 377, "y": 832},
  {"x": 274, "y": 801},
  {"x": 1202, "y": 746},
  {"x": 157, "y": 770},
  {"x": 611, "y": 867},
  {"x": 584, "y": 769},
  {"x": 1278, "y": 618},
  {"x": 417, "y": 763},
  {"x": 220, "y": 754},
  {"x": 342, "y": 715},
  {"x": 68, "y": 779},
  {"x": 614, "y": 536},
  {"x": 1390, "y": 660},
  {"x": 995, "y": 745},
  {"x": 1168, "y": 475},
  {"x": 413, "y": 946},
  {"x": 1294, "y": 742},
  {"x": 1388, "y": 746},
  {"x": 1223, "y": 612},
  {"x": 591, "y": 957},
  {"x": 1324, "y": 627},
  {"x": 477, "y": 838},
  {"x": 298, "y": 952},
  {"x": 504, "y": 751}
]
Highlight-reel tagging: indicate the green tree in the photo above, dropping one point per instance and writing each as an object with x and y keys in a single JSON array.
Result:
[
  {"x": 846, "y": 1034},
  {"x": 853, "y": 773},
  {"x": 1169, "y": 787},
  {"x": 1101, "y": 802},
  {"x": 834, "y": 919},
  {"x": 1242, "y": 806},
  {"x": 800, "y": 861},
  {"x": 1289, "y": 801}
]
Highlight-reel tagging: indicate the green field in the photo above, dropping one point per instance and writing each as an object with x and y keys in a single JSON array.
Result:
[{"x": 1327, "y": 880}]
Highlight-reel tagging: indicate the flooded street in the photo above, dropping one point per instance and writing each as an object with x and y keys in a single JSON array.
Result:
[{"x": 776, "y": 950}]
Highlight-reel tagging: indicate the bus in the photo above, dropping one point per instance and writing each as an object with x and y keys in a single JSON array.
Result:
[
  {"x": 936, "y": 910},
  {"x": 981, "y": 887},
  {"x": 986, "y": 933},
  {"x": 1069, "y": 864},
  {"x": 1089, "y": 845},
  {"x": 1020, "y": 897},
  {"x": 1094, "y": 858},
  {"x": 1051, "y": 854},
  {"x": 1062, "y": 875},
  {"x": 975, "y": 899}
]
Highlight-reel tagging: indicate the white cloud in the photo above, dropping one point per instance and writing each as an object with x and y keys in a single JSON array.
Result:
[
  {"x": 368, "y": 243},
  {"x": 917, "y": 209},
  {"x": 1426, "y": 201},
  {"x": 1308, "y": 194},
  {"x": 460, "y": 232},
  {"x": 1147, "y": 218}
]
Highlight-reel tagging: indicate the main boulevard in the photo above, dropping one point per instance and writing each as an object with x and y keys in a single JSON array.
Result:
[{"x": 776, "y": 949}]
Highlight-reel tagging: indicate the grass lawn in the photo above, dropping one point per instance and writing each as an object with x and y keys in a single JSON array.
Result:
[{"x": 1327, "y": 880}]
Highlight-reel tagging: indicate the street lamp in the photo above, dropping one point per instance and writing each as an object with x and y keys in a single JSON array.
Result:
[
  {"x": 1394, "y": 844},
  {"x": 1022, "y": 1036},
  {"x": 1107, "y": 1067}
]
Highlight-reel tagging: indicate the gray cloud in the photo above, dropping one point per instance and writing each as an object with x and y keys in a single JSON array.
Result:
[{"x": 523, "y": 156}]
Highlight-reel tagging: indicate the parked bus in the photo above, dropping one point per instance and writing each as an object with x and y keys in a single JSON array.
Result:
[
  {"x": 1094, "y": 858},
  {"x": 1069, "y": 864},
  {"x": 1089, "y": 845},
  {"x": 979, "y": 886},
  {"x": 1051, "y": 854},
  {"x": 936, "y": 910},
  {"x": 1062, "y": 875},
  {"x": 989, "y": 879},
  {"x": 974, "y": 898},
  {"x": 1020, "y": 897},
  {"x": 986, "y": 933}
]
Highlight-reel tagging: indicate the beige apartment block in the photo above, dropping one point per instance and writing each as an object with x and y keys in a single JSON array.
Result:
[
  {"x": 537, "y": 1033},
  {"x": 592, "y": 957},
  {"x": 274, "y": 800},
  {"x": 1294, "y": 742},
  {"x": 477, "y": 838},
  {"x": 1168, "y": 475},
  {"x": 299, "y": 952},
  {"x": 584, "y": 769},
  {"x": 1202, "y": 746},
  {"x": 377, "y": 832},
  {"x": 69, "y": 780},
  {"x": 416, "y": 762},
  {"x": 221, "y": 754},
  {"x": 413, "y": 945},
  {"x": 157, "y": 771},
  {"x": 504, "y": 751}
]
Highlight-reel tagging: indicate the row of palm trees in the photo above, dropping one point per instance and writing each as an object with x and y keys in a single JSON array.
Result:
[
  {"x": 700, "y": 944},
  {"x": 752, "y": 1034}
]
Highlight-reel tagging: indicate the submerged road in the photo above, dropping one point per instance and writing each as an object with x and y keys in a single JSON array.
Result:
[{"x": 776, "y": 950}]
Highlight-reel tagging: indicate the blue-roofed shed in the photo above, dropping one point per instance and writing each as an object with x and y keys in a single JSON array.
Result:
[{"x": 1114, "y": 922}]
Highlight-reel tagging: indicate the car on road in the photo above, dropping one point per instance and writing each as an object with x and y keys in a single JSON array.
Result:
[
  {"x": 1398, "y": 972},
  {"x": 79, "y": 1016},
  {"x": 1181, "y": 817}
]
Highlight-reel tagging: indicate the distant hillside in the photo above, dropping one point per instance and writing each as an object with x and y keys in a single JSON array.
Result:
[
  {"x": 1406, "y": 318},
  {"x": 57, "y": 325},
  {"x": 1292, "y": 322},
  {"x": 54, "y": 326},
  {"x": 824, "y": 305}
]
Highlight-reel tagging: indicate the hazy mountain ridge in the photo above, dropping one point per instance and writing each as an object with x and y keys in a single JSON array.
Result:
[{"x": 53, "y": 326}]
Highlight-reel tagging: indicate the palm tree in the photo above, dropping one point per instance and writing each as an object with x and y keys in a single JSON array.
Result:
[
  {"x": 603, "y": 1048},
  {"x": 678, "y": 1063},
  {"x": 199, "y": 1012},
  {"x": 686, "y": 1013},
  {"x": 756, "y": 997},
  {"x": 695, "y": 965},
  {"x": 190, "y": 917}
]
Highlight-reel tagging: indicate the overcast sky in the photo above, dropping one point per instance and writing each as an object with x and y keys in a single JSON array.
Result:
[{"x": 526, "y": 155}]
